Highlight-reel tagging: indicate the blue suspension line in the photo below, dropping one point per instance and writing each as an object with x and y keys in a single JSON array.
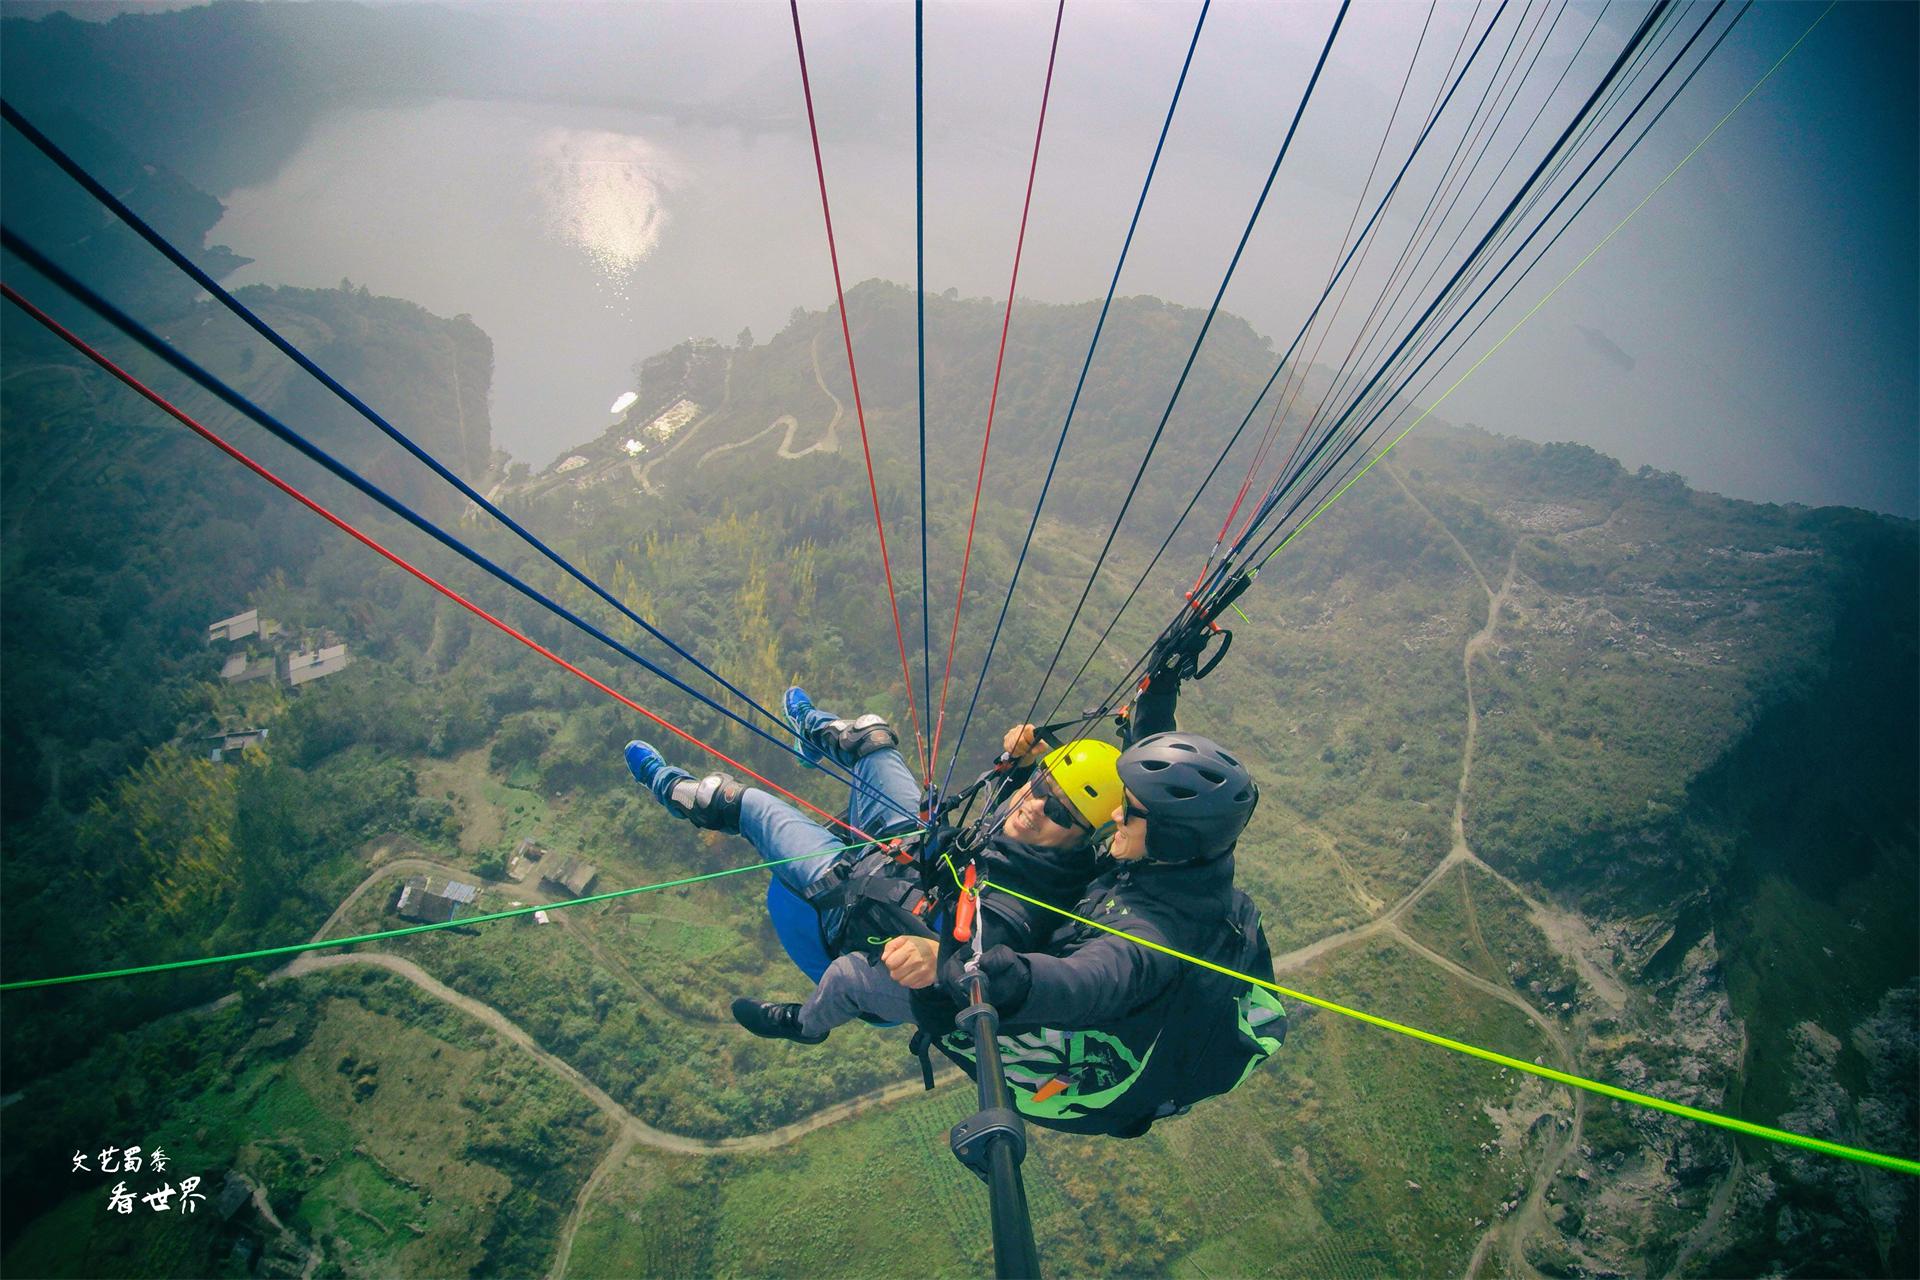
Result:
[
  {"x": 1517, "y": 279},
  {"x": 920, "y": 306},
  {"x": 266, "y": 331},
  {"x": 167, "y": 352},
  {"x": 1193, "y": 355},
  {"x": 1079, "y": 386},
  {"x": 1335, "y": 431}
]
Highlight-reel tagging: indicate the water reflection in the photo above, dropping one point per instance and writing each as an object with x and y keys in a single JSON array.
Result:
[{"x": 606, "y": 195}]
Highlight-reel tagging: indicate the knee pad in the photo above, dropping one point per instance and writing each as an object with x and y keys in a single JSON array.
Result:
[
  {"x": 716, "y": 804},
  {"x": 854, "y": 740}
]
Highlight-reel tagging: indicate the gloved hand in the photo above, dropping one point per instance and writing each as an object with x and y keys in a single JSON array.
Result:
[
  {"x": 1009, "y": 979},
  {"x": 1173, "y": 657}
]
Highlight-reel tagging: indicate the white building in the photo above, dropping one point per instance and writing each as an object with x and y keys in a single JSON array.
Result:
[
  {"x": 312, "y": 665},
  {"x": 238, "y": 627}
]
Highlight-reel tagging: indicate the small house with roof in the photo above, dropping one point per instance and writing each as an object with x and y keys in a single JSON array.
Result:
[
  {"x": 572, "y": 876},
  {"x": 419, "y": 901},
  {"x": 234, "y": 741},
  {"x": 315, "y": 663},
  {"x": 239, "y": 668},
  {"x": 238, "y": 627}
]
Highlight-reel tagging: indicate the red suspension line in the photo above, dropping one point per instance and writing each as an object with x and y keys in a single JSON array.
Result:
[
  {"x": 79, "y": 344},
  {"x": 993, "y": 400},
  {"x": 859, "y": 413}
]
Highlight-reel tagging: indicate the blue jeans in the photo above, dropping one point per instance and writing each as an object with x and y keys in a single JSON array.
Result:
[{"x": 883, "y": 798}]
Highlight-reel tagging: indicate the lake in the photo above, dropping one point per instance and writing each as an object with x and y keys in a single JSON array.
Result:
[{"x": 583, "y": 240}]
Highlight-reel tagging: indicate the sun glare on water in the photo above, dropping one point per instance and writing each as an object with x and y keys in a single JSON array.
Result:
[{"x": 606, "y": 194}]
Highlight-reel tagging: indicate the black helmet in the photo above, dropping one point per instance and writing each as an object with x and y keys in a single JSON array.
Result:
[{"x": 1198, "y": 798}]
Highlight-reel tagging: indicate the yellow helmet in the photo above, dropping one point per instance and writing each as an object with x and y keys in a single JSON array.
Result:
[{"x": 1087, "y": 773}]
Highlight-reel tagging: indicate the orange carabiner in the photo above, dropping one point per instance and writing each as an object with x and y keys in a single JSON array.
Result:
[{"x": 969, "y": 906}]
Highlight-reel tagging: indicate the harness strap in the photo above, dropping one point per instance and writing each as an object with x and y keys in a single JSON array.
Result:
[{"x": 921, "y": 1047}]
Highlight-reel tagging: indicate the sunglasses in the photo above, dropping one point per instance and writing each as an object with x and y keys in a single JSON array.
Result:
[
  {"x": 1133, "y": 810},
  {"x": 1058, "y": 811}
]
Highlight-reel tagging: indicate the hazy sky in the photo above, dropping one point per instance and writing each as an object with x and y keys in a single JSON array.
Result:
[{"x": 1754, "y": 327}]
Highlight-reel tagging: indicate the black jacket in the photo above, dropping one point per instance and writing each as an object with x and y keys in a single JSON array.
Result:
[
  {"x": 1058, "y": 876},
  {"x": 1086, "y": 1011},
  {"x": 1086, "y": 977}
]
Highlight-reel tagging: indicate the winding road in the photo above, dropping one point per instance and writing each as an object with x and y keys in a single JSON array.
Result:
[
  {"x": 1564, "y": 933},
  {"x": 829, "y": 442},
  {"x": 629, "y": 1129}
]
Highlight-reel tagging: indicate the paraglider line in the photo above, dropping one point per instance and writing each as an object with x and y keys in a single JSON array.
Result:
[
  {"x": 859, "y": 412},
  {"x": 1186, "y": 370},
  {"x": 1606, "y": 240},
  {"x": 1290, "y": 476},
  {"x": 920, "y": 322},
  {"x": 146, "y": 338},
  {"x": 993, "y": 400},
  {"x": 1099, "y": 325},
  {"x": 1747, "y": 1127},
  {"x": 1280, "y": 366},
  {"x": 421, "y": 928},
  {"x": 120, "y": 210},
  {"x": 1283, "y": 402},
  {"x": 1338, "y": 428}
]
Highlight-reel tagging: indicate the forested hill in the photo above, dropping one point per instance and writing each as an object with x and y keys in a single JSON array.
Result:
[
  {"x": 1567, "y": 760},
  {"x": 125, "y": 536}
]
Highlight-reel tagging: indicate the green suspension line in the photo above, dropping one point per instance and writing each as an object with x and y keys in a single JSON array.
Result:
[{"x": 419, "y": 928}]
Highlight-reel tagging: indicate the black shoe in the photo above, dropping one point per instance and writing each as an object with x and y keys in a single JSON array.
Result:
[{"x": 773, "y": 1021}]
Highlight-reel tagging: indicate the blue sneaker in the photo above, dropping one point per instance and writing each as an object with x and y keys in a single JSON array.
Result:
[
  {"x": 644, "y": 763},
  {"x": 796, "y": 705},
  {"x": 845, "y": 742}
]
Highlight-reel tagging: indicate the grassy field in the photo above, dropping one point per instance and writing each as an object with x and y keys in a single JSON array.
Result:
[
  {"x": 493, "y": 816},
  {"x": 400, "y": 1139},
  {"x": 1479, "y": 923},
  {"x": 1303, "y": 1171}
]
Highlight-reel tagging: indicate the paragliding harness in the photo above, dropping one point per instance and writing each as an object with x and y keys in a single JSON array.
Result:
[
  {"x": 905, "y": 885},
  {"x": 880, "y": 893},
  {"x": 1218, "y": 1029}
]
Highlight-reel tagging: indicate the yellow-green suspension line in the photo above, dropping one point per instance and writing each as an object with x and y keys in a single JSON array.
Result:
[{"x": 1752, "y": 1130}]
